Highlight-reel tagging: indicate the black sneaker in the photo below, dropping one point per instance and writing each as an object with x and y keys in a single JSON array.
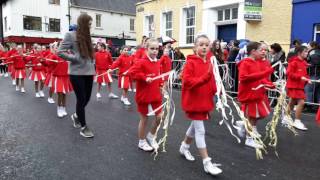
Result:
[
  {"x": 76, "y": 123},
  {"x": 86, "y": 132}
]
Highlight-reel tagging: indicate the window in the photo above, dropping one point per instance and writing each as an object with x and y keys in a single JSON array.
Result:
[
  {"x": 32, "y": 23},
  {"x": 317, "y": 33},
  {"x": 98, "y": 20},
  {"x": 5, "y": 24},
  {"x": 150, "y": 25},
  {"x": 234, "y": 13},
  {"x": 189, "y": 24},
  {"x": 220, "y": 15},
  {"x": 131, "y": 24},
  {"x": 168, "y": 23},
  {"x": 227, "y": 14},
  {"x": 54, "y": 25},
  {"x": 54, "y": 2}
]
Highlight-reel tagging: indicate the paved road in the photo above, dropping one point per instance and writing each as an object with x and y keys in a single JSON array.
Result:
[{"x": 35, "y": 144}]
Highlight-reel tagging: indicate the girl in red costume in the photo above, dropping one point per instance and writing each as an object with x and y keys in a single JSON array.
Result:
[
  {"x": 124, "y": 62},
  {"x": 19, "y": 64},
  {"x": 48, "y": 80},
  {"x": 198, "y": 90},
  {"x": 297, "y": 79}
]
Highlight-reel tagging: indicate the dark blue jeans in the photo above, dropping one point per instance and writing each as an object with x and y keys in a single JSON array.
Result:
[{"x": 313, "y": 91}]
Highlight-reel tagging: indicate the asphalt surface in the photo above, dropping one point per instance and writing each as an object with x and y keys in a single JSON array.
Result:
[{"x": 35, "y": 144}]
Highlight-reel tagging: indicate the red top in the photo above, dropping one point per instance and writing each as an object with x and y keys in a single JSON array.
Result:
[
  {"x": 146, "y": 92},
  {"x": 198, "y": 85},
  {"x": 103, "y": 60},
  {"x": 165, "y": 65},
  {"x": 49, "y": 65},
  {"x": 19, "y": 62},
  {"x": 225, "y": 54},
  {"x": 45, "y": 53},
  {"x": 124, "y": 62},
  {"x": 35, "y": 60},
  {"x": 251, "y": 75},
  {"x": 297, "y": 68},
  {"x": 140, "y": 53},
  {"x": 59, "y": 68}
]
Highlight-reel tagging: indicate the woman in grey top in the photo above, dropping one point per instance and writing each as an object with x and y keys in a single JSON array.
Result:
[{"x": 76, "y": 48}]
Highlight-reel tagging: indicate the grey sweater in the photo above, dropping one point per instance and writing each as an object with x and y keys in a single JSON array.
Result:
[{"x": 78, "y": 65}]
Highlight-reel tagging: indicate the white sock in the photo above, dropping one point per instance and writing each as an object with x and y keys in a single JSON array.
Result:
[
  {"x": 150, "y": 136},
  {"x": 206, "y": 160},
  {"x": 141, "y": 141}
]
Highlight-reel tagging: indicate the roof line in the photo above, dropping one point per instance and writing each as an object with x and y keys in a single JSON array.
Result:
[
  {"x": 143, "y": 2},
  {"x": 90, "y": 8}
]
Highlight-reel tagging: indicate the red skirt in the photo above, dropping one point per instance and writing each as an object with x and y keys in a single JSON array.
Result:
[
  {"x": 37, "y": 76},
  {"x": 256, "y": 110},
  {"x": 124, "y": 82},
  {"x": 106, "y": 78},
  {"x": 296, "y": 93},
  {"x": 20, "y": 74},
  {"x": 48, "y": 80},
  {"x": 145, "y": 109},
  {"x": 198, "y": 115},
  {"x": 318, "y": 116},
  {"x": 61, "y": 84}
]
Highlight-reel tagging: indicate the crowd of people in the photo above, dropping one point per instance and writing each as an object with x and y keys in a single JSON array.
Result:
[{"x": 73, "y": 65}]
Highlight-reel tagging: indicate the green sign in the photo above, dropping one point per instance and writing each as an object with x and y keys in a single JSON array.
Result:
[{"x": 253, "y": 10}]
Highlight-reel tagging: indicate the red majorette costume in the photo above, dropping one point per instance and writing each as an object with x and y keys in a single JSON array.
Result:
[
  {"x": 148, "y": 95},
  {"x": 140, "y": 53},
  {"x": 37, "y": 73},
  {"x": 60, "y": 77},
  {"x": 124, "y": 62},
  {"x": 19, "y": 64},
  {"x": 165, "y": 65},
  {"x": 297, "y": 68},
  {"x": 198, "y": 88},
  {"x": 50, "y": 66},
  {"x": 251, "y": 75},
  {"x": 11, "y": 69},
  {"x": 103, "y": 63},
  {"x": 45, "y": 54}
]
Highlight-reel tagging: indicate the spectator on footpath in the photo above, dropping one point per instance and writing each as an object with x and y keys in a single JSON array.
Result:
[
  {"x": 232, "y": 65},
  {"x": 292, "y": 52},
  {"x": 277, "y": 54}
]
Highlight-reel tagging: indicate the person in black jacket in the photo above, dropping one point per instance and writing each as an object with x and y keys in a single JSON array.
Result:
[{"x": 232, "y": 65}]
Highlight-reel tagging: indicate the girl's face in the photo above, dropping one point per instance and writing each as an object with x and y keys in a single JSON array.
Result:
[
  {"x": 153, "y": 49},
  {"x": 202, "y": 46},
  {"x": 38, "y": 48},
  {"x": 304, "y": 54},
  {"x": 99, "y": 47},
  {"x": 166, "y": 51},
  {"x": 125, "y": 51},
  {"x": 217, "y": 45},
  {"x": 263, "y": 51}
]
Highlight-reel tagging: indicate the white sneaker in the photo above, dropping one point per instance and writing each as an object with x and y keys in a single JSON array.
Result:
[
  {"x": 17, "y": 88},
  {"x": 211, "y": 168},
  {"x": 122, "y": 98},
  {"x": 126, "y": 102},
  {"x": 6, "y": 75},
  {"x": 64, "y": 111},
  {"x": 255, "y": 130},
  {"x": 37, "y": 95},
  {"x": 113, "y": 96},
  {"x": 130, "y": 90},
  {"x": 299, "y": 125},
  {"x": 41, "y": 93},
  {"x": 251, "y": 143},
  {"x": 23, "y": 90},
  {"x": 134, "y": 90},
  {"x": 50, "y": 100},
  {"x": 285, "y": 120},
  {"x": 98, "y": 95},
  {"x": 241, "y": 129},
  {"x": 152, "y": 141},
  {"x": 143, "y": 145},
  {"x": 59, "y": 112},
  {"x": 13, "y": 82},
  {"x": 184, "y": 151},
  {"x": 1, "y": 74}
]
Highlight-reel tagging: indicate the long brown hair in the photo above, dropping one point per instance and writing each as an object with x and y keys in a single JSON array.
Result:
[
  {"x": 217, "y": 52},
  {"x": 83, "y": 36}
]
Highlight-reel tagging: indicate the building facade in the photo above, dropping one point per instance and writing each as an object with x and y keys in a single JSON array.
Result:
[
  {"x": 306, "y": 20},
  {"x": 179, "y": 19},
  {"x": 34, "y": 21}
]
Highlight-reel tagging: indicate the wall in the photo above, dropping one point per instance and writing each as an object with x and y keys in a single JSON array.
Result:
[
  {"x": 305, "y": 16},
  {"x": 275, "y": 25},
  {"x": 157, "y": 7}
]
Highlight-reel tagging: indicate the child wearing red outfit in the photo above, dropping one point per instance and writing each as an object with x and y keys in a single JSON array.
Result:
[
  {"x": 10, "y": 54},
  {"x": 61, "y": 84},
  {"x": 19, "y": 65},
  {"x": 148, "y": 95},
  {"x": 254, "y": 102},
  {"x": 165, "y": 63},
  {"x": 318, "y": 117},
  {"x": 124, "y": 62},
  {"x": 37, "y": 73},
  {"x": 103, "y": 62},
  {"x": 198, "y": 90},
  {"x": 297, "y": 79},
  {"x": 49, "y": 66}
]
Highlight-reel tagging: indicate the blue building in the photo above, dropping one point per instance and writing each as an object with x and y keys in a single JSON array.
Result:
[{"x": 306, "y": 20}]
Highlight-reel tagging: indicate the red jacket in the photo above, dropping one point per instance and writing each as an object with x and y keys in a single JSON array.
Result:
[
  {"x": 165, "y": 65},
  {"x": 146, "y": 92},
  {"x": 59, "y": 68},
  {"x": 35, "y": 60},
  {"x": 103, "y": 60},
  {"x": 297, "y": 68},
  {"x": 251, "y": 75},
  {"x": 198, "y": 85},
  {"x": 124, "y": 62},
  {"x": 49, "y": 64},
  {"x": 140, "y": 53},
  {"x": 19, "y": 62}
]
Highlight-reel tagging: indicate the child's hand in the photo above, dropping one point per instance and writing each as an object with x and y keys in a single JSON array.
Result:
[
  {"x": 39, "y": 64},
  {"x": 149, "y": 80},
  {"x": 306, "y": 79}
]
